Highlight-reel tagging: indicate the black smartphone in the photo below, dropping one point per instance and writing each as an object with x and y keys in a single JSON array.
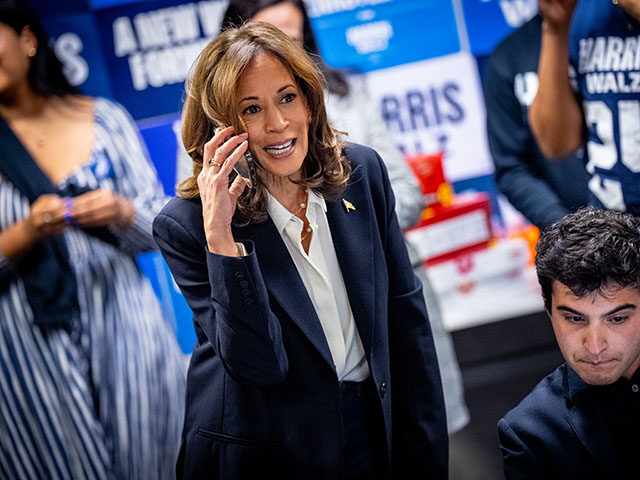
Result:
[{"x": 246, "y": 168}]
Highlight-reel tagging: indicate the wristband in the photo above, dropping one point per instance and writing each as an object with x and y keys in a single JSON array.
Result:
[{"x": 68, "y": 203}]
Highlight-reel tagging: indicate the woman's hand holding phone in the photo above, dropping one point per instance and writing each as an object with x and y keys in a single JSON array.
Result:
[{"x": 219, "y": 199}]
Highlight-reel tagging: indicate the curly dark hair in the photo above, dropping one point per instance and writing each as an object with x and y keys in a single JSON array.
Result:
[{"x": 590, "y": 250}]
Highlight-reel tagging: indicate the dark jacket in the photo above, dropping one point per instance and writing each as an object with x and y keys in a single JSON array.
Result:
[
  {"x": 556, "y": 433},
  {"x": 263, "y": 396},
  {"x": 543, "y": 190}
]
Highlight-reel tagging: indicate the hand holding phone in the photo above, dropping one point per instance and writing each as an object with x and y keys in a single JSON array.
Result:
[{"x": 219, "y": 192}]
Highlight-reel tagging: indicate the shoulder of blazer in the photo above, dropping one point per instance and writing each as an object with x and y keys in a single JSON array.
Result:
[
  {"x": 367, "y": 166},
  {"x": 187, "y": 212},
  {"x": 547, "y": 402},
  {"x": 180, "y": 206},
  {"x": 369, "y": 171},
  {"x": 183, "y": 209},
  {"x": 364, "y": 160}
]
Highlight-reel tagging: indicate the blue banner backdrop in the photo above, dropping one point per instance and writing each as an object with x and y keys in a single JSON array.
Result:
[
  {"x": 77, "y": 44},
  {"x": 489, "y": 21},
  {"x": 149, "y": 48},
  {"x": 385, "y": 34},
  {"x": 161, "y": 134}
]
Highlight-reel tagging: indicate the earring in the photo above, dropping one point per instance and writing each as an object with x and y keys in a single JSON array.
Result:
[{"x": 32, "y": 52}]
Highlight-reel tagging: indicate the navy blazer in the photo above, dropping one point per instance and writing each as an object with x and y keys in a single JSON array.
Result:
[
  {"x": 554, "y": 433},
  {"x": 263, "y": 396}
]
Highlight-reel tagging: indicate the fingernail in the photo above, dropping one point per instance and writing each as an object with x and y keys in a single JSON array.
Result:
[{"x": 244, "y": 134}]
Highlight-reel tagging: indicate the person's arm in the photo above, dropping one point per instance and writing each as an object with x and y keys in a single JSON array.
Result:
[
  {"x": 223, "y": 287},
  {"x": 46, "y": 218},
  {"x": 514, "y": 151},
  {"x": 555, "y": 116},
  {"x": 631, "y": 6},
  {"x": 420, "y": 442},
  {"x": 229, "y": 301},
  {"x": 137, "y": 193}
]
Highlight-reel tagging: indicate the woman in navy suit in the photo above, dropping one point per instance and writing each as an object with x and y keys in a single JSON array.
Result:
[{"x": 314, "y": 356}]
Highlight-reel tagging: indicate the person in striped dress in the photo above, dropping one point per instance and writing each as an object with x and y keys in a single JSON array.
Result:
[{"x": 91, "y": 376}]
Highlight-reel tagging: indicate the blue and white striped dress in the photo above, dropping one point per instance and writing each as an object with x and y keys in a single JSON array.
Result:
[{"x": 105, "y": 400}]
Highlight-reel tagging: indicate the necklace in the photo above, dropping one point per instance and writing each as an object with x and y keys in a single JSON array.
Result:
[
  {"x": 302, "y": 205},
  {"x": 307, "y": 232},
  {"x": 299, "y": 208}
]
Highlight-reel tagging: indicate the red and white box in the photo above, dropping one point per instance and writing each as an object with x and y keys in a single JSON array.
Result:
[
  {"x": 487, "y": 285},
  {"x": 505, "y": 260},
  {"x": 446, "y": 232}
]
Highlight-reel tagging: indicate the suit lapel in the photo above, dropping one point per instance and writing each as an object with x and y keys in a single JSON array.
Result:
[
  {"x": 351, "y": 231},
  {"x": 284, "y": 283}
]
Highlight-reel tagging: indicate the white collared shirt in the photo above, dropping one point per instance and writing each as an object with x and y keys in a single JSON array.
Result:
[{"x": 322, "y": 277}]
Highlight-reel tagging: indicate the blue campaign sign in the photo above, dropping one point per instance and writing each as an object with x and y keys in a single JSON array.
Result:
[
  {"x": 149, "y": 48},
  {"x": 99, "y": 4},
  {"x": 489, "y": 21},
  {"x": 76, "y": 43},
  {"x": 161, "y": 137},
  {"x": 174, "y": 307},
  {"x": 44, "y": 7},
  {"x": 384, "y": 33}
]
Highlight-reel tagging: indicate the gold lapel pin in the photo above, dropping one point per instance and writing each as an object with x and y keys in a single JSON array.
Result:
[{"x": 348, "y": 205}]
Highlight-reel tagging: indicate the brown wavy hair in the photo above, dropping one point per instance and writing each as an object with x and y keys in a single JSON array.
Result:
[{"x": 211, "y": 103}]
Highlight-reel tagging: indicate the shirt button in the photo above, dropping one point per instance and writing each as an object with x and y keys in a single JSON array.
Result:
[
  {"x": 243, "y": 284},
  {"x": 635, "y": 388},
  {"x": 239, "y": 275}
]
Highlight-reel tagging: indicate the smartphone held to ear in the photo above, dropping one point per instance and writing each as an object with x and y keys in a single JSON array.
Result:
[{"x": 245, "y": 168}]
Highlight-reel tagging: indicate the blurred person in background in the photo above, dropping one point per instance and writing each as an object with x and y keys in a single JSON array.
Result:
[
  {"x": 589, "y": 93},
  {"x": 351, "y": 110},
  {"x": 314, "y": 356},
  {"x": 91, "y": 377},
  {"x": 543, "y": 191},
  {"x": 581, "y": 421}
]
